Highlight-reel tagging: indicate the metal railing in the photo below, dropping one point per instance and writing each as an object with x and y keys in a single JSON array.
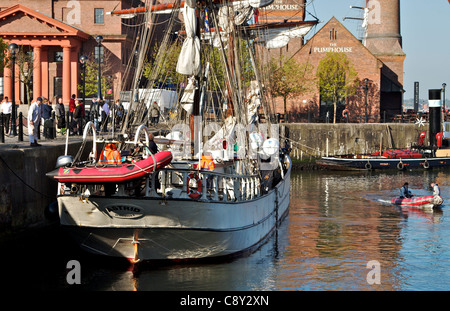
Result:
[{"x": 203, "y": 185}]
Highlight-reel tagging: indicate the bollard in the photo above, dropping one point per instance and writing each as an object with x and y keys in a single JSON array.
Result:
[
  {"x": 54, "y": 124},
  {"x": 2, "y": 130},
  {"x": 39, "y": 131},
  {"x": 69, "y": 123},
  {"x": 80, "y": 126},
  {"x": 20, "y": 138}
]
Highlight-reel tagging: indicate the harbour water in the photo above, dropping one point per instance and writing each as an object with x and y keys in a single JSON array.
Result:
[{"x": 341, "y": 234}]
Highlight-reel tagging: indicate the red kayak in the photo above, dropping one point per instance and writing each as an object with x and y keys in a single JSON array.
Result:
[
  {"x": 421, "y": 202},
  {"x": 111, "y": 173}
]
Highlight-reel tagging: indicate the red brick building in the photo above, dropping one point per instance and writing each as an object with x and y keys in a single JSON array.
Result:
[
  {"x": 58, "y": 32},
  {"x": 379, "y": 59}
]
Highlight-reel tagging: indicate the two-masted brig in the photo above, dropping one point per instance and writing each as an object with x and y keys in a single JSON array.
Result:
[{"x": 219, "y": 183}]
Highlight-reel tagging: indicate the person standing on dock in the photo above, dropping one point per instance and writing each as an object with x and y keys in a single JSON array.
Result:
[
  {"x": 435, "y": 187},
  {"x": 77, "y": 117},
  {"x": 155, "y": 113},
  {"x": 105, "y": 116},
  {"x": 60, "y": 116},
  {"x": 71, "y": 107},
  {"x": 6, "y": 108},
  {"x": 46, "y": 109},
  {"x": 34, "y": 120},
  {"x": 94, "y": 114},
  {"x": 404, "y": 191}
]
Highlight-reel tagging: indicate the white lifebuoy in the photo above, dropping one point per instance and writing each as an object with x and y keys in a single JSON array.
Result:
[
  {"x": 426, "y": 164},
  {"x": 368, "y": 166},
  {"x": 197, "y": 192},
  {"x": 400, "y": 166}
]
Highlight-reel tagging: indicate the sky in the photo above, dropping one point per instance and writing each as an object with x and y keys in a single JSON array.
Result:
[{"x": 425, "y": 29}]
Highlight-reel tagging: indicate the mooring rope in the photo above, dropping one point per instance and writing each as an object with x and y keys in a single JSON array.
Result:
[{"x": 23, "y": 181}]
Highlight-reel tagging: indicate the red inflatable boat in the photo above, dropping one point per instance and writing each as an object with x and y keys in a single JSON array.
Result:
[
  {"x": 429, "y": 201},
  {"x": 111, "y": 173}
]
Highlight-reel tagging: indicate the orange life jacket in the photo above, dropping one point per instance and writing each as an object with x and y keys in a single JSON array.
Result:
[
  {"x": 110, "y": 155},
  {"x": 208, "y": 163}
]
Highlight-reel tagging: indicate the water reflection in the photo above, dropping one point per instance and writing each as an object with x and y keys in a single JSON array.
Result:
[
  {"x": 341, "y": 221},
  {"x": 338, "y": 222}
]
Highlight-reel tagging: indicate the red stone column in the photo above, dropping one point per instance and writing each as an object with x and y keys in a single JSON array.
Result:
[
  {"x": 44, "y": 73},
  {"x": 74, "y": 71},
  {"x": 66, "y": 75},
  {"x": 7, "y": 82},
  {"x": 37, "y": 87},
  {"x": 18, "y": 84}
]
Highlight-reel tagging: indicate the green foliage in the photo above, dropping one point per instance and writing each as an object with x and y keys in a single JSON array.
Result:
[
  {"x": 25, "y": 64},
  {"x": 337, "y": 78},
  {"x": 3, "y": 59},
  {"x": 165, "y": 71},
  {"x": 289, "y": 79},
  {"x": 92, "y": 73}
]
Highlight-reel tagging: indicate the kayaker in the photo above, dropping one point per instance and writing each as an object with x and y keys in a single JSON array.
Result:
[
  {"x": 435, "y": 187},
  {"x": 404, "y": 191}
]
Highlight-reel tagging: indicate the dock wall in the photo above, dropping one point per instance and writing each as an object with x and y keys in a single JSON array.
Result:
[
  {"x": 315, "y": 139},
  {"x": 25, "y": 191}
]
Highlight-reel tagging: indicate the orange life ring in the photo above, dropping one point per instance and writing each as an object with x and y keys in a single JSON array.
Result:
[
  {"x": 345, "y": 112},
  {"x": 194, "y": 193}
]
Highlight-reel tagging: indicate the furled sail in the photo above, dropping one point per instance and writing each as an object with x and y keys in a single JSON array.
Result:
[
  {"x": 254, "y": 101},
  {"x": 189, "y": 59},
  {"x": 275, "y": 38},
  {"x": 187, "y": 100}
]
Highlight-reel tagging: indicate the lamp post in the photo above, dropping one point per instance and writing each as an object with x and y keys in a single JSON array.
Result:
[
  {"x": 13, "y": 49},
  {"x": 99, "y": 40},
  {"x": 83, "y": 61},
  {"x": 365, "y": 87},
  {"x": 443, "y": 94}
]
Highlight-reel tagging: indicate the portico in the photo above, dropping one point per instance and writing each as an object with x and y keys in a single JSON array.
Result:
[{"x": 48, "y": 39}]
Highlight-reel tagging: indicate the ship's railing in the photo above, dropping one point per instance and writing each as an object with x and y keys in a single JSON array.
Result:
[{"x": 203, "y": 185}]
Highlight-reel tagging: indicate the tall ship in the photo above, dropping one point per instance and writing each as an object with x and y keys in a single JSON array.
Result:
[{"x": 218, "y": 185}]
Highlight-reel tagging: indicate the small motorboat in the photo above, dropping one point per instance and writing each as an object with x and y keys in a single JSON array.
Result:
[
  {"x": 429, "y": 201},
  {"x": 112, "y": 173}
]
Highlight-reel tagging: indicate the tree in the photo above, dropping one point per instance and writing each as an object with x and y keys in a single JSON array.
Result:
[
  {"x": 3, "y": 59},
  {"x": 337, "y": 78},
  {"x": 164, "y": 72},
  {"x": 289, "y": 79},
  {"x": 91, "y": 81},
  {"x": 25, "y": 64}
]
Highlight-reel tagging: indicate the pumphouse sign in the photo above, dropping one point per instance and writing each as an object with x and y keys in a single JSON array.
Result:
[
  {"x": 334, "y": 49},
  {"x": 333, "y": 46},
  {"x": 280, "y": 5}
]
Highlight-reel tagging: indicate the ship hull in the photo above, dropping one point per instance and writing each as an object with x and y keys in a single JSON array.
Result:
[
  {"x": 172, "y": 229},
  {"x": 343, "y": 163}
]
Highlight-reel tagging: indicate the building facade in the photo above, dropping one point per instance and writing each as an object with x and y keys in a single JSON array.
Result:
[
  {"x": 379, "y": 59},
  {"x": 57, "y": 33}
]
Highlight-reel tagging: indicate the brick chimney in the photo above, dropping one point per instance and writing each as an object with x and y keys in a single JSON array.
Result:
[{"x": 383, "y": 37}]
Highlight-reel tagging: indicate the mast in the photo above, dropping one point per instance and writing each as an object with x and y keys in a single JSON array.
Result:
[{"x": 196, "y": 124}]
